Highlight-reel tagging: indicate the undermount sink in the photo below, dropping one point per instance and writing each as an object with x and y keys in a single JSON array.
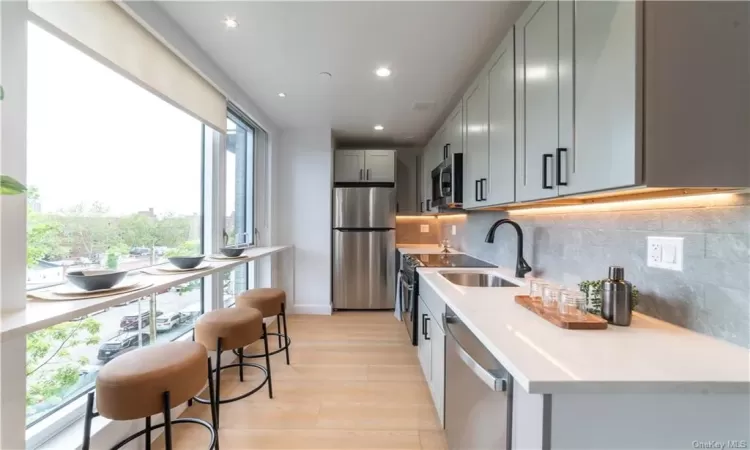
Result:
[{"x": 476, "y": 279}]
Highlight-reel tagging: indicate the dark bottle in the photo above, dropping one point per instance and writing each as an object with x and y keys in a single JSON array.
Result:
[{"x": 617, "y": 298}]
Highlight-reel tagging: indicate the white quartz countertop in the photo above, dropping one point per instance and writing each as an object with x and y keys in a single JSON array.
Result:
[{"x": 650, "y": 356}]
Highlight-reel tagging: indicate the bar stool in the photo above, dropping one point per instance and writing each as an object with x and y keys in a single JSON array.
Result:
[
  {"x": 232, "y": 328},
  {"x": 149, "y": 381},
  {"x": 270, "y": 302}
]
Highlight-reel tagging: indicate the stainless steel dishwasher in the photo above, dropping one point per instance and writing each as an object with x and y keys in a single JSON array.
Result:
[{"x": 478, "y": 392}]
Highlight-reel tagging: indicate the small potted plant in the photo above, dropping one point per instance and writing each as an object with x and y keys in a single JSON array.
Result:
[{"x": 593, "y": 291}]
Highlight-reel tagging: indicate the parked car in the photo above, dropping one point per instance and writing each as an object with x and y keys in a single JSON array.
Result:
[
  {"x": 130, "y": 322},
  {"x": 140, "y": 251},
  {"x": 121, "y": 344},
  {"x": 167, "y": 321}
]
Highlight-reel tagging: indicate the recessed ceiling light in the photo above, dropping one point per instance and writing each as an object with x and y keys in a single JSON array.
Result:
[
  {"x": 383, "y": 72},
  {"x": 378, "y": 127},
  {"x": 282, "y": 95},
  {"x": 231, "y": 22}
]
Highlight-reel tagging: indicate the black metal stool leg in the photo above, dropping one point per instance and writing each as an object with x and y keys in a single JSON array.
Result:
[
  {"x": 167, "y": 422},
  {"x": 218, "y": 380},
  {"x": 148, "y": 433},
  {"x": 286, "y": 332},
  {"x": 242, "y": 368},
  {"x": 87, "y": 422},
  {"x": 214, "y": 404},
  {"x": 268, "y": 361},
  {"x": 278, "y": 326}
]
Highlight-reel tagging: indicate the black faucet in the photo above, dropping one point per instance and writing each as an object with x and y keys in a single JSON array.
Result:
[{"x": 522, "y": 267}]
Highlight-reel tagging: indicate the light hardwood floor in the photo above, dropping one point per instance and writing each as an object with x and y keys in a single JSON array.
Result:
[{"x": 354, "y": 383}]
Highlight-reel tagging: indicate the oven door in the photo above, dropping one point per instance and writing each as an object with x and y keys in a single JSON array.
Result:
[
  {"x": 408, "y": 307},
  {"x": 446, "y": 184}
]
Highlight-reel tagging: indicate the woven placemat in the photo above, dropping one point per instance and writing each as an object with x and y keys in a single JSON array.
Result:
[
  {"x": 174, "y": 271},
  {"x": 50, "y": 295}
]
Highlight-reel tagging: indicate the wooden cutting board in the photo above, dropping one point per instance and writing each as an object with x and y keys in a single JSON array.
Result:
[{"x": 587, "y": 322}]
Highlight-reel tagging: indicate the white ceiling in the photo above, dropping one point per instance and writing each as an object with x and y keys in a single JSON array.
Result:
[{"x": 433, "y": 49}]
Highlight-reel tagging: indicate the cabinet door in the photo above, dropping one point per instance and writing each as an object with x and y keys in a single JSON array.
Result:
[
  {"x": 407, "y": 189},
  {"x": 349, "y": 166},
  {"x": 605, "y": 153},
  {"x": 437, "y": 383},
  {"x": 536, "y": 101},
  {"x": 477, "y": 145},
  {"x": 457, "y": 130},
  {"x": 502, "y": 170},
  {"x": 424, "y": 343},
  {"x": 380, "y": 166}
]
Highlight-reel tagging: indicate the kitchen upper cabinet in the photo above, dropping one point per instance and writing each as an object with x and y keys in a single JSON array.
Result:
[
  {"x": 501, "y": 183},
  {"x": 453, "y": 134},
  {"x": 407, "y": 182},
  {"x": 605, "y": 154},
  {"x": 380, "y": 166},
  {"x": 538, "y": 112},
  {"x": 476, "y": 152},
  {"x": 364, "y": 166},
  {"x": 349, "y": 166}
]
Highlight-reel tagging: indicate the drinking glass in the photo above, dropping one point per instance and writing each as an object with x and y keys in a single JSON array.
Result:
[
  {"x": 536, "y": 287},
  {"x": 550, "y": 297},
  {"x": 572, "y": 303}
]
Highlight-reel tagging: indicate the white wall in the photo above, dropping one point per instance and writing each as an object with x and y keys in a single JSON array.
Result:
[{"x": 301, "y": 210}]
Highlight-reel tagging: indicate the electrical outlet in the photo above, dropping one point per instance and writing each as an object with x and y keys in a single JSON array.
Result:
[
  {"x": 665, "y": 252},
  {"x": 424, "y": 228},
  {"x": 453, "y": 230}
]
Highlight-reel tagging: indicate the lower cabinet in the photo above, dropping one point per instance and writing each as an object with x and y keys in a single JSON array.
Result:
[{"x": 431, "y": 350}]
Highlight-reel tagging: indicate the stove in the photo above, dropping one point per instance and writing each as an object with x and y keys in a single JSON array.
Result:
[{"x": 410, "y": 282}]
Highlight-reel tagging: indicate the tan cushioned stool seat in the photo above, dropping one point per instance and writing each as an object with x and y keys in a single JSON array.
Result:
[
  {"x": 236, "y": 327},
  {"x": 266, "y": 300},
  {"x": 132, "y": 385}
]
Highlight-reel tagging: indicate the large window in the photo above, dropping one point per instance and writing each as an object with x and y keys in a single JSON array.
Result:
[
  {"x": 115, "y": 181},
  {"x": 239, "y": 226}
]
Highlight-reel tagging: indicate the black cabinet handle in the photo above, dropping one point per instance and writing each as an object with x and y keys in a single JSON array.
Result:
[
  {"x": 545, "y": 168},
  {"x": 426, "y": 337},
  {"x": 559, "y": 166},
  {"x": 476, "y": 191},
  {"x": 482, "y": 189},
  {"x": 397, "y": 207},
  {"x": 421, "y": 206},
  {"x": 428, "y": 204},
  {"x": 445, "y": 151},
  {"x": 360, "y": 174},
  {"x": 424, "y": 325}
]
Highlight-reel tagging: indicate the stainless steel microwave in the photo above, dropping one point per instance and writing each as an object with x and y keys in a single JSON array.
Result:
[{"x": 447, "y": 182}]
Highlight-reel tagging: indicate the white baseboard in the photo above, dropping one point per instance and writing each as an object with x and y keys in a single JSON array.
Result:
[{"x": 321, "y": 310}]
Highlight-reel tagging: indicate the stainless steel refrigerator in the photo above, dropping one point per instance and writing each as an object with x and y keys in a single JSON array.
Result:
[{"x": 364, "y": 247}]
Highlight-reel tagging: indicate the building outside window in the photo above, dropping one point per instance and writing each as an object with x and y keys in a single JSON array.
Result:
[{"x": 115, "y": 177}]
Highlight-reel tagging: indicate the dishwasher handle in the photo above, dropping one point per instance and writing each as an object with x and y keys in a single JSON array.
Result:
[{"x": 497, "y": 384}]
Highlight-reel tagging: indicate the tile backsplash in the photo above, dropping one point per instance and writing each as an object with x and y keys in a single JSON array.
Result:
[
  {"x": 408, "y": 230},
  {"x": 712, "y": 293}
]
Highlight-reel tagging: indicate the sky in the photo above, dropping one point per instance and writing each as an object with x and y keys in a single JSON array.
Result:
[{"x": 93, "y": 135}]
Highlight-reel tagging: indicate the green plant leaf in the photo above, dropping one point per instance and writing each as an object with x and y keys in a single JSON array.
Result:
[{"x": 9, "y": 186}]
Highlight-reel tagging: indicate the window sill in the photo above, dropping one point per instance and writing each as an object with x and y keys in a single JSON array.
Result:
[{"x": 38, "y": 315}]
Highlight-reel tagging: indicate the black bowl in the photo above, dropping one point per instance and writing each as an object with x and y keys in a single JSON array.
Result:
[
  {"x": 232, "y": 252},
  {"x": 186, "y": 262},
  {"x": 94, "y": 280}
]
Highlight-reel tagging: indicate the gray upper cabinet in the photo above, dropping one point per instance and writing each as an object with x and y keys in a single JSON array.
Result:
[
  {"x": 453, "y": 134},
  {"x": 349, "y": 166},
  {"x": 364, "y": 166},
  {"x": 380, "y": 166},
  {"x": 605, "y": 154},
  {"x": 537, "y": 124},
  {"x": 501, "y": 185},
  {"x": 476, "y": 171}
]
